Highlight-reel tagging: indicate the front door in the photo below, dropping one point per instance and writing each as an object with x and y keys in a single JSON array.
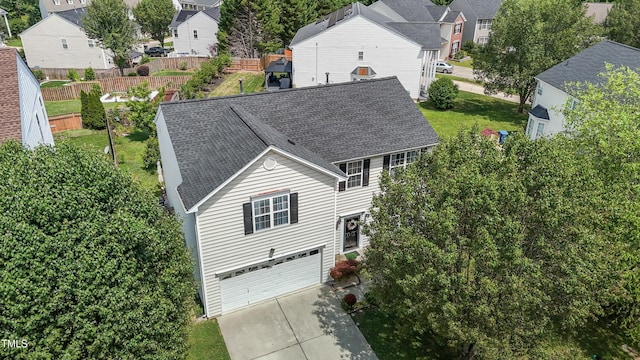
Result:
[{"x": 351, "y": 233}]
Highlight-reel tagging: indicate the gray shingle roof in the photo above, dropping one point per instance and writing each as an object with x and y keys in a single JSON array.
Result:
[
  {"x": 414, "y": 10},
  {"x": 540, "y": 112},
  {"x": 213, "y": 13},
  {"x": 425, "y": 34},
  {"x": 484, "y": 9},
  {"x": 181, "y": 17},
  {"x": 74, "y": 16},
  {"x": 328, "y": 124},
  {"x": 451, "y": 16},
  {"x": 587, "y": 64}
]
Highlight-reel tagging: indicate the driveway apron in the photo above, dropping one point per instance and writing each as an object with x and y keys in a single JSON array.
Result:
[{"x": 306, "y": 325}]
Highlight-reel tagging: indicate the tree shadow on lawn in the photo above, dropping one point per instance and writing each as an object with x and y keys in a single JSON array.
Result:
[
  {"x": 604, "y": 338},
  {"x": 138, "y": 135}
]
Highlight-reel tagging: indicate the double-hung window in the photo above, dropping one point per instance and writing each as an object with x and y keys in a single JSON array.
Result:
[
  {"x": 484, "y": 24},
  {"x": 91, "y": 43},
  {"x": 360, "y": 55},
  {"x": 195, "y": 34},
  {"x": 270, "y": 212},
  {"x": 539, "y": 130},
  {"x": 354, "y": 172},
  {"x": 458, "y": 28},
  {"x": 401, "y": 160},
  {"x": 65, "y": 45}
]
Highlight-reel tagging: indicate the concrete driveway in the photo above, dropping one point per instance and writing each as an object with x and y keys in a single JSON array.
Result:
[{"x": 306, "y": 325}]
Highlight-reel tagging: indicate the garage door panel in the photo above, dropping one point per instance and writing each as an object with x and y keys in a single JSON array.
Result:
[{"x": 268, "y": 282}]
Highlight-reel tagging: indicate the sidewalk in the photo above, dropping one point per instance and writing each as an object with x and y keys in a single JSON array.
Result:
[{"x": 477, "y": 89}]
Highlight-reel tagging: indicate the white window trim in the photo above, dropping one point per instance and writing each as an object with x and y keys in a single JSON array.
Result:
[
  {"x": 57, "y": 2},
  {"x": 539, "y": 129},
  {"x": 455, "y": 47},
  {"x": 195, "y": 34},
  {"x": 362, "y": 215},
  {"x": 360, "y": 55},
  {"x": 457, "y": 28},
  {"x": 359, "y": 173},
  {"x": 65, "y": 43},
  {"x": 485, "y": 24},
  {"x": 403, "y": 165},
  {"x": 271, "y": 212},
  {"x": 91, "y": 43},
  {"x": 175, "y": 33},
  {"x": 539, "y": 89}
]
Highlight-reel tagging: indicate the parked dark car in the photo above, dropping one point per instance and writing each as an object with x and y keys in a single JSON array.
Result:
[{"x": 157, "y": 51}]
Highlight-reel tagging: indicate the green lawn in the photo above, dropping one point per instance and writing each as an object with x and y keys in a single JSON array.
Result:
[
  {"x": 206, "y": 342},
  {"x": 173, "y": 73},
  {"x": 53, "y": 84},
  {"x": 129, "y": 151},
  {"x": 55, "y": 108},
  {"x": 458, "y": 78},
  {"x": 13, "y": 42},
  {"x": 380, "y": 330},
  {"x": 168, "y": 44},
  {"x": 252, "y": 82},
  {"x": 470, "y": 109},
  {"x": 466, "y": 63}
]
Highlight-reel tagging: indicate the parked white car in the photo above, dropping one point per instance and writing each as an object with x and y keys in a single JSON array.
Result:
[{"x": 444, "y": 67}]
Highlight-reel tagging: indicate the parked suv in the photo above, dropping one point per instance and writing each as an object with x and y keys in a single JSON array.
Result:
[
  {"x": 157, "y": 51},
  {"x": 444, "y": 67}
]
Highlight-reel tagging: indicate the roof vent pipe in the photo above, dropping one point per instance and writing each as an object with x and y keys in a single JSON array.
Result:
[{"x": 327, "y": 74}]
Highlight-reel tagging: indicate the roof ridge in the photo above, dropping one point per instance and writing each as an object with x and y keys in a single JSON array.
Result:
[
  {"x": 621, "y": 44},
  {"x": 238, "y": 111}
]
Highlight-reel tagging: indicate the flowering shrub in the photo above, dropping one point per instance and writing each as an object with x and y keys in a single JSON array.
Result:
[
  {"x": 344, "y": 269},
  {"x": 350, "y": 299}
]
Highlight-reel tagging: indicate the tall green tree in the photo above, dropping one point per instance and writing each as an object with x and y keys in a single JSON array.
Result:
[
  {"x": 606, "y": 123},
  {"x": 296, "y": 14},
  {"x": 108, "y": 22},
  {"x": 142, "y": 110},
  {"x": 528, "y": 37},
  {"x": 154, "y": 17},
  {"x": 249, "y": 28},
  {"x": 97, "y": 270},
  {"x": 325, "y": 7},
  {"x": 623, "y": 23},
  {"x": 489, "y": 248},
  {"x": 21, "y": 15}
]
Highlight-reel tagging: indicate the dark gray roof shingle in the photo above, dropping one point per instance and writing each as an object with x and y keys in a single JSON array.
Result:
[
  {"x": 74, "y": 16},
  {"x": 589, "y": 63},
  {"x": 425, "y": 34},
  {"x": 181, "y": 17},
  {"x": 328, "y": 124},
  {"x": 540, "y": 112},
  {"x": 415, "y": 10},
  {"x": 484, "y": 9}
]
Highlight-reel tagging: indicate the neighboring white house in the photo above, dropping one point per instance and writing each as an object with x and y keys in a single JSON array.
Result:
[
  {"x": 195, "y": 32},
  {"x": 358, "y": 42},
  {"x": 48, "y": 7},
  {"x": 272, "y": 186},
  {"x": 198, "y": 4},
  {"x": 554, "y": 85},
  {"x": 480, "y": 15},
  {"x": 23, "y": 116},
  {"x": 58, "y": 41}
]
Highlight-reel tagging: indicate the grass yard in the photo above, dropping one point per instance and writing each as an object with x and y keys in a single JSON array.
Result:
[
  {"x": 55, "y": 108},
  {"x": 173, "y": 73},
  {"x": 458, "y": 78},
  {"x": 252, "y": 82},
  {"x": 129, "y": 151},
  {"x": 470, "y": 109},
  {"x": 466, "y": 63},
  {"x": 53, "y": 84},
  {"x": 206, "y": 342},
  {"x": 380, "y": 331},
  {"x": 13, "y": 42}
]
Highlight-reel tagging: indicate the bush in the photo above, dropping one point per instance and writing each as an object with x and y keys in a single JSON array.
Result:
[
  {"x": 182, "y": 65},
  {"x": 39, "y": 74},
  {"x": 73, "y": 75},
  {"x": 145, "y": 59},
  {"x": 151, "y": 153},
  {"x": 344, "y": 269},
  {"x": 370, "y": 298},
  {"x": 133, "y": 73},
  {"x": 443, "y": 93},
  {"x": 143, "y": 70},
  {"x": 92, "y": 110},
  {"x": 351, "y": 255},
  {"x": 469, "y": 46},
  {"x": 89, "y": 74},
  {"x": 350, "y": 299},
  {"x": 460, "y": 54}
]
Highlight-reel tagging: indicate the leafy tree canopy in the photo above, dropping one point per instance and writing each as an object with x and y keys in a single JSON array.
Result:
[
  {"x": 249, "y": 28},
  {"x": 142, "y": 111},
  {"x": 154, "y": 17},
  {"x": 108, "y": 22},
  {"x": 623, "y": 23},
  {"x": 96, "y": 269},
  {"x": 488, "y": 248},
  {"x": 528, "y": 37}
]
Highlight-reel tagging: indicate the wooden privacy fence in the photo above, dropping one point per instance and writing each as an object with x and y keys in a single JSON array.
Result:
[
  {"x": 239, "y": 64},
  {"x": 119, "y": 84},
  {"x": 65, "y": 122},
  {"x": 268, "y": 58},
  {"x": 191, "y": 62},
  {"x": 63, "y": 74}
]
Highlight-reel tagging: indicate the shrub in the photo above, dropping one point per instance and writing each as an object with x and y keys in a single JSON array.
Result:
[
  {"x": 443, "y": 93},
  {"x": 344, "y": 269},
  {"x": 182, "y": 65},
  {"x": 350, "y": 299},
  {"x": 73, "y": 75},
  {"x": 370, "y": 298},
  {"x": 351, "y": 255},
  {"x": 151, "y": 153},
  {"x": 145, "y": 59},
  {"x": 143, "y": 70},
  {"x": 89, "y": 74},
  {"x": 469, "y": 46},
  {"x": 133, "y": 73},
  {"x": 92, "y": 110},
  {"x": 39, "y": 74},
  {"x": 460, "y": 54}
]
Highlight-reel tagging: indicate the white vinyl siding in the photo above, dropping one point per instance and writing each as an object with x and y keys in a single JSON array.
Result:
[
  {"x": 198, "y": 33},
  {"x": 554, "y": 100},
  {"x": 34, "y": 122},
  {"x": 220, "y": 219},
  {"x": 336, "y": 51}
]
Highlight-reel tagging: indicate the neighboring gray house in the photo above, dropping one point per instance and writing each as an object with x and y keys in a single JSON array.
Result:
[
  {"x": 553, "y": 92},
  {"x": 359, "y": 42},
  {"x": 58, "y": 41},
  {"x": 23, "y": 116},
  {"x": 272, "y": 186},
  {"x": 48, "y": 7},
  {"x": 195, "y": 32},
  {"x": 598, "y": 11},
  {"x": 199, "y": 4},
  {"x": 480, "y": 15}
]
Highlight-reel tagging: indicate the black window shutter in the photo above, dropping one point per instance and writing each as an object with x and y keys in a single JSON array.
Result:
[
  {"x": 385, "y": 162},
  {"x": 248, "y": 218},
  {"x": 365, "y": 172},
  {"x": 342, "y": 184},
  {"x": 293, "y": 208}
]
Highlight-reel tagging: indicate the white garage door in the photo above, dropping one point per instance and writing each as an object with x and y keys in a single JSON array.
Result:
[{"x": 266, "y": 280}]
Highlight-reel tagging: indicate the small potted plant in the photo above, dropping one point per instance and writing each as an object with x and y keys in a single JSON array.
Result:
[{"x": 348, "y": 301}]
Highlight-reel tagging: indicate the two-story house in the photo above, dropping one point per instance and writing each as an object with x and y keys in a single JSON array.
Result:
[
  {"x": 195, "y": 32},
  {"x": 479, "y": 18},
  {"x": 23, "y": 116},
  {"x": 553, "y": 91},
  {"x": 272, "y": 186}
]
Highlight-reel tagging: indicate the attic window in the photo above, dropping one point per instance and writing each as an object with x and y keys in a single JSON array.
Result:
[
  {"x": 195, "y": 34},
  {"x": 360, "y": 55},
  {"x": 83, "y": 1},
  {"x": 69, "y": 2},
  {"x": 57, "y": 2},
  {"x": 65, "y": 45}
]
